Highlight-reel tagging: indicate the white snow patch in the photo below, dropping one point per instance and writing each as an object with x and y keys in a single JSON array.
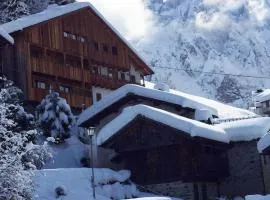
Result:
[
  {"x": 263, "y": 96},
  {"x": 77, "y": 184},
  {"x": 203, "y": 114},
  {"x": 68, "y": 154},
  {"x": 246, "y": 130},
  {"x": 186, "y": 100},
  {"x": 162, "y": 86},
  {"x": 192, "y": 127},
  {"x": 264, "y": 142},
  {"x": 257, "y": 197}
]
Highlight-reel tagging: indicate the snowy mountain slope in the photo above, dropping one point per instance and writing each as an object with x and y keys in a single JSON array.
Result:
[{"x": 215, "y": 36}]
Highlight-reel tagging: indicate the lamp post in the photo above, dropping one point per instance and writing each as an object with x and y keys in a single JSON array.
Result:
[{"x": 90, "y": 133}]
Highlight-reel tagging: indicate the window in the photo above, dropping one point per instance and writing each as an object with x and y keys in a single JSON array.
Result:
[
  {"x": 98, "y": 96},
  {"x": 95, "y": 70},
  {"x": 95, "y": 44},
  {"x": 36, "y": 51},
  {"x": 81, "y": 39},
  {"x": 133, "y": 79},
  {"x": 65, "y": 89},
  {"x": 114, "y": 50},
  {"x": 73, "y": 37},
  {"x": 65, "y": 34},
  {"x": 40, "y": 85},
  {"x": 105, "y": 48},
  {"x": 86, "y": 64},
  {"x": 73, "y": 61},
  {"x": 122, "y": 74},
  {"x": 56, "y": 57},
  {"x": 110, "y": 73}
]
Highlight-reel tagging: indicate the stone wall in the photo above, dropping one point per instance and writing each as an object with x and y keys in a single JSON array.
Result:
[
  {"x": 173, "y": 189},
  {"x": 245, "y": 171},
  {"x": 265, "y": 160},
  {"x": 185, "y": 191}
]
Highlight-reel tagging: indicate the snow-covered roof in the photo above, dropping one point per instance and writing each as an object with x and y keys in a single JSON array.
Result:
[
  {"x": 246, "y": 129},
  {"x": 263, "y": 143},
  {"x": 51, "y": 12},
  {"x": 263, "y": 96},
  {"x": 172, "y": 96},
  {"x": 192, "y": 127},
  {"x": 242, "y": 130},
  {"x": 6, "y": 36}
]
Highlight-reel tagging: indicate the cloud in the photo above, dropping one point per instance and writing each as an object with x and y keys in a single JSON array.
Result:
[
  {"x": 129, "y": 17},
  {"x": 214, "y": 21}
]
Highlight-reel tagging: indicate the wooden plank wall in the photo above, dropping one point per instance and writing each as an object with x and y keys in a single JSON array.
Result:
[{"x": 84, "y": 30}]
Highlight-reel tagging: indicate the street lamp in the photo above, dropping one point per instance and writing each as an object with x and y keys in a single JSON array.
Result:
[{"x": 91, "y": 133}]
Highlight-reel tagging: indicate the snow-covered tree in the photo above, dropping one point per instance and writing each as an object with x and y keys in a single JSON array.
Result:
[
  {"x": 18, "y": 150},
  {"x": 62, "y": 2},
  {"x": 55, "y": 116},
  {"x": 13, "y": 9}
]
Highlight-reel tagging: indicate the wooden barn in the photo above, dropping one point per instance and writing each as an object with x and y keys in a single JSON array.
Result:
[{"x": 71, "y": 49}]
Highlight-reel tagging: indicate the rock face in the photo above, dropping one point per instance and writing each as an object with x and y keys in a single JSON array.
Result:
[{"x": 197, "y": 44}]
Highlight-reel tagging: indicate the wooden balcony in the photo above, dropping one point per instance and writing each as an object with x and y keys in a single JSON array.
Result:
[
  {"x": 54, "y": 69},
  {"x": 74, "y": 100},
  {"x": 74, "y": 73},
  {"x": 106, "y": 82}
]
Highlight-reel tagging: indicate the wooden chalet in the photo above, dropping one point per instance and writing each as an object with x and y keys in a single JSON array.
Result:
[{"x": 71, "y": 49}]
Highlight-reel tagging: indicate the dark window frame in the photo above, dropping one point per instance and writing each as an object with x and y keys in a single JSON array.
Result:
[
  {"x": 114, "y": 51},
  {"x": 98, "y": 96},
  {"x": 105, "y": 48}
]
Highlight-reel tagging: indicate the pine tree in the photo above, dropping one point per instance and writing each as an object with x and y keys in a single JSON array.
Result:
[
  {"x": 55, "y": 116},
  {"x": 17, "y": 144},
  {"x": 62, "y": 2},
  {"x": 13, "y": 9}
]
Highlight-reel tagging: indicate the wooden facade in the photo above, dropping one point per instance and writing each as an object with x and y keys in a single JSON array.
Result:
[
  {"x": 157, "y": 153},
  {"x": 70, "y": 54}
]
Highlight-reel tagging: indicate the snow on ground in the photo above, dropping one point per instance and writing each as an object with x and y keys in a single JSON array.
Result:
[
  {"x": 77, "y": 185},
  {"x": 216, "y": 108},
  {"x": 257, "y": 197},
  {"x": 68, "y": 154},
  {"x": 192, "y": 127},
  {"x": 247, "y": 129}
]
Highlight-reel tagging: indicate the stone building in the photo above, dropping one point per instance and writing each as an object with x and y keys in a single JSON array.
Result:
[{"x": 179, "y": 144}]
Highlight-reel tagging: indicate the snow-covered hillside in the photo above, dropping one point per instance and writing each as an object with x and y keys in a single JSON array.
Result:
[{"x": 215, "y": 36}]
